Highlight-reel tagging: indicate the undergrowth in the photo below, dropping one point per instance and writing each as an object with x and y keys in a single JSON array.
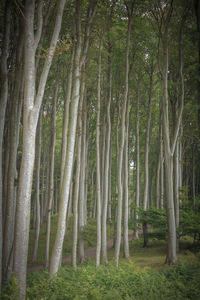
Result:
[{"x": 108, "y": 282}]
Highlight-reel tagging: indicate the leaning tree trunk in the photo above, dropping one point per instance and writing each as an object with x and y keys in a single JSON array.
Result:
[{"x": 31, "y": 110}]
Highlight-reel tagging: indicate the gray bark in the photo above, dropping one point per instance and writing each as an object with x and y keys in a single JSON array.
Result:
[
  {"x": 64, "y": 197},
  {"x": 12, "y": 165},
  {"x": 98, "y": 165},
  {"x": 126, "y": 185},
  {"x": 31, "y": 110},
  {"x": 146, "y": 168},
  {"x": 66, "y": 115},
  {"x": 122, "y": 139},
  {"x": 67, "y": 175},
  {"x": 37, "y": 185},
  {"x": 51, "y": 172},
  {"x": 3, "y": 104},
  {"x": 77, "y": 179},
  {"x": 105, "y": 178},
  {"x": 137, "y": 201}
]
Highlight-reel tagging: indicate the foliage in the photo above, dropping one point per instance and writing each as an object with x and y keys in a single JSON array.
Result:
[
  {"x": 126, "y": 282},
  {"x": 190, "y": 218},
  {"x": 157, "y": 220}
]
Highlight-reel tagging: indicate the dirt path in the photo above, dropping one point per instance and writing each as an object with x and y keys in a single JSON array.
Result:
[{"x": 89, "y": 253}]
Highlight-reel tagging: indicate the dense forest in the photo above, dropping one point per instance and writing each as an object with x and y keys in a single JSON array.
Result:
[{"x": 99, "y": 124}]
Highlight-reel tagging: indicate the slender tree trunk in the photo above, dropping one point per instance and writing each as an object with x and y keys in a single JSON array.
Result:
[
  {"x": 77, "y": 181},
  {"x": 161, "y": 171},
  {"x": 12, "y": 166},
  {"x": 122, "y": 138},
  {"x": 82, "y": 199},
  {"x": 98, "y": 169},
  {"x": 105, "y": 178},
  {"x": 64, "y": 196},
  {"x": 126, "y": 185},
  {"x": 37, "y": 184},
  {"x": 137, "y": 202},
  {"x": 146, "y": 168},
  {"x": 66, "y": 115},
  {"x": 51, "y": 172},
  {"x": 3, "y": 104}
]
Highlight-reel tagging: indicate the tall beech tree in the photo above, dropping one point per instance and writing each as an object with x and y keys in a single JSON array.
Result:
[
  {"x": 170, "y": 146},
  {"x": 79, "y": 61},
  {"x": 129, "y": 7},
  {"x": 31, "y": 109}
]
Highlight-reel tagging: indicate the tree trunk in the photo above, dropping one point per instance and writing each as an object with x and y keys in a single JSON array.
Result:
[
  {"x": 51, "y": 171},
  {"x": 137, "y": 202},
  {"x": 77, "y": 180},
  {"x": 37, "y": 184},
  {"x": 12, "y": 165},
  {"x": 98, "y": 168},
  {"x": 66, "y": 115},
  {"x": 105, "y": 177},
  {"x": 122, "y": 139},
  {"x": 32, "y": 106},
  {"x": 3, "y": 104},
  {"x": 126, "y": 185}
]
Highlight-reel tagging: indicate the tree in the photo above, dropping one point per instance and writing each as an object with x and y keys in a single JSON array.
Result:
[
  {"x": 64, "y": 196},
  {"x": 122, "y": 137},
  {"x": 31, "y": 108}
]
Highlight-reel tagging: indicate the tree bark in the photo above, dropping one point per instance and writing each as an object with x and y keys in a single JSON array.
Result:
[
  {"x": 31, "y": 110},
  {"x": 98, "y": 168},
  {"x": 51, "y": 171},
  {"x": 3, "y": 104},
  {"x": 122, "y": 138},
  {"x": 37, "y": 184}
]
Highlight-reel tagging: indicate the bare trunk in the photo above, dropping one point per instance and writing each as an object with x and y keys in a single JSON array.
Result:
[
  {"x": 12, "y": 167},
  {"x": 126, "y": 186},
  {"x": 121, "y": 147},
  {"x": 82, "y": 200},
  {"x": 146, "y": 168},
  {"x": 51, "y": 173},
  {"x": 32, "y": 106},
  {"x": 66, "y": 115},
  {"x": 137, "y": 202},
  {"x": 98, "y": 169},
  {"x": 37, "y": 184},
  {"x": 77, "y": 180},
  {"x": 105, "y": 178},
  {"x": 3, "y": 104}
]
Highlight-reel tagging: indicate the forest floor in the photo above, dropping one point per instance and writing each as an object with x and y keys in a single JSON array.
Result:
[
  {"x": 89, "y": 253},
  {"x": 152, "y": 257}
]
